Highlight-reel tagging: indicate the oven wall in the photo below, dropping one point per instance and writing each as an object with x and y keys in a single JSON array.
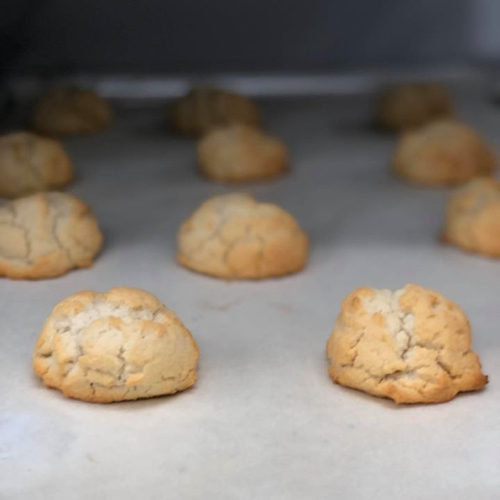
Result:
[{"x": 54, "y": 36}]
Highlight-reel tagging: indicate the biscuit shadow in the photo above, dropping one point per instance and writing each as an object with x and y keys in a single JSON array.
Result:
[
  {"x": 361, "y": 395},
  {"x": 209, "y": 278},
  {"x": 146, "y": 404},
  {"x": 392, "y": 405},
  {"x": 136, "y": 404}
]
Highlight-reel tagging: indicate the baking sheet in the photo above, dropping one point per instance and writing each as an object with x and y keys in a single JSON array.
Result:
[{"x": 264, "y": 420}]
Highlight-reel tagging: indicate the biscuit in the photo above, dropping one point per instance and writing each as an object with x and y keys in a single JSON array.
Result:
[
  {"x": 411, "y": 345},
  {"x": 71, "y": 111},
  {"x": 46, "y": 235},
  {"x": 411, "y": 105},
  {"x": 442, "y": 153},
  {"x": 473, "y": 217},
  {"x": 29, "y": 163},
  {"x": 115, "y": 346},
  {"x": 239, "y": 153},
  {"x": 204, "y": 108},
  {"x": 235, "y": 237}
]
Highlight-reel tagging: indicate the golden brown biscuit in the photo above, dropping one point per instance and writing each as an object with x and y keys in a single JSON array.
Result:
[
  {"x": 30, "y": 163},
  {"x": 115, "y": 346},
  {"x": 204, "y": 108},
  {"x": 473, "y": 217},
  {"x": 412, "y": 105},
  {"x": 71, "y": 111},
  {"x": 235, "y": 237},
  {"x": 46, "y": 235},
  {"x": 441, "y": 154},
  {"x": 411, "y": 345},
  {"x": 239, "y": 153}
]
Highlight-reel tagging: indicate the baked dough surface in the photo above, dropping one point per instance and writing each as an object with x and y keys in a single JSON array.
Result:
[
  {"x": 407, "y": 106},
  {"x": 473, "y": 217},
  {"x": 30, "y": 163},
  {"x": 71, "y": 111},
  {"x": 204, "y": 108},
  {"x": 443, "y": 153},
  {"x": 46, "y": 235},
  {"x": 239, "y": 153},
  {"x": 115, "y": 346},
  {"x": 235, "y": 237},
  {"x": 412, "y": 346}
]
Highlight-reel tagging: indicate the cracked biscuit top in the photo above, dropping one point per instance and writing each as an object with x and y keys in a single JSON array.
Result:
[
  {"x": 239, "y": 153},
  {"x": 412, "y": 105},
  {"x": 115, "y": 346},
  {"x": 412, "y": 345},
  {"x": 46, "y": 235},
  {"x": 30, "y": 163},
  {"x": 235, "y": 237},
  {"x": 443, "y": 153},
  {"x": 473, "y": 217},
  {"x": 204, "y": 108},
  {"x": 71, "y": 111}
]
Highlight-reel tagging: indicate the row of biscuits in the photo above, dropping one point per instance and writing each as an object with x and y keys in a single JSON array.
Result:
[
  {"x": 439, "y": 154},
  {"x": 435, "y": 149},
  {"x": 412, "y": 346},
  {"x": 229, "y": 236},
  {"x": 233, "y": 236}
]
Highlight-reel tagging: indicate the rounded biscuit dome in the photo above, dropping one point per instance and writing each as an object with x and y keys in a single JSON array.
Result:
[
  {"x": 46, "y": 235},
  {"x": 30, "y": 163},
  {"x": 406, "y": 106},
  {"x": 235, "y": 237},
  {"x": 239, "y": 153},
  {"x": 115, "y": 346},
  {"x": 442, "y": 153},
  {"x": 473, "y": 217},
  {"x": 71, "y": 111},
  {"x": 412, "y": 346},
  {"x": 204, "y": 108}
]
